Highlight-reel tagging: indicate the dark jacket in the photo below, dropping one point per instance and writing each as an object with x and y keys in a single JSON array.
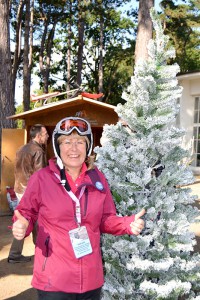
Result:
[{"x": 29, "y": 158}]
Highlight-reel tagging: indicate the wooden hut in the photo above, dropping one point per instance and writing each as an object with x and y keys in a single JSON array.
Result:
[{"x": 96, "y": 112}]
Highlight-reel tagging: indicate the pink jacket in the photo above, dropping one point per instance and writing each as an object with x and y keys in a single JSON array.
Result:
[{"x": 55, "y": 266}]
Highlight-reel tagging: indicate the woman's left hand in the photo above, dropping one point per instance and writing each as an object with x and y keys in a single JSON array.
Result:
[{"x": 138, "y": 224}]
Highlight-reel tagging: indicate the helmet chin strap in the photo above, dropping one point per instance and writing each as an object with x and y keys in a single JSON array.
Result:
[
  {"x": 59, "y": 162},
  {"x": 63, "y": 178}
]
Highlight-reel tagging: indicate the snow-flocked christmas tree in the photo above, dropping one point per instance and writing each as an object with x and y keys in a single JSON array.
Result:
[{"x": 146, "y": 167}]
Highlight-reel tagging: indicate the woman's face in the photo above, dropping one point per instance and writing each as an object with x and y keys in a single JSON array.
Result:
[{"x": 72, "y": 150}]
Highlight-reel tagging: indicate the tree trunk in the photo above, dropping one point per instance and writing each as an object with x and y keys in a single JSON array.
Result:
[
  {"x": 42, "y": 48},
  {"x": 81, "y": 25},
  {"x": 26, "y": 66},
  {"x": 48, "y": 56},
  {"x": 145, "y": 29},
  {"x": 101, "y": 47},
  {"x": 6, "y": 93},
  {"x": 69, "y": 42},
  {"x": 31, "y": 42},
  {"x": 7, "y": 107},
  {"x": 17, "y": 53},
  {"x": 46, "y": 46}
]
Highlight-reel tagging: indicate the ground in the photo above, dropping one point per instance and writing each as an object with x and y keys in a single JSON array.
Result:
[{"x": 15, "y": 279}]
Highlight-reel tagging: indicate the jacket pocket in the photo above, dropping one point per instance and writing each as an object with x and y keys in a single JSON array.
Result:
[{"x": 46, "y": 253}]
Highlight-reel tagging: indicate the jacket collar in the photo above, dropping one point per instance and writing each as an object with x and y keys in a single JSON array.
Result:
[
  {"x": 87, "y": 181},
  {"x": 36, "y": 143}
]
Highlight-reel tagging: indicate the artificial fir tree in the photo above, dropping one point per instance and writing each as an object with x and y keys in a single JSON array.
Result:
[{"x": 146, "y": 167}]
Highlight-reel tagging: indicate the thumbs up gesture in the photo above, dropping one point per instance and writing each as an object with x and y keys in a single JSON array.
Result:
[
  {"x": 138, "y": 224},
  {"x": 20, "y": 226}
]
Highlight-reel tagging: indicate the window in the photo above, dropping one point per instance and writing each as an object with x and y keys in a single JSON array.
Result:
[{"x": 196, "y": 132}]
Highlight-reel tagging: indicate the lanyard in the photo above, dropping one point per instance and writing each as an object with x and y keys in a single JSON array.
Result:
[{"x": 77, "y": 201}]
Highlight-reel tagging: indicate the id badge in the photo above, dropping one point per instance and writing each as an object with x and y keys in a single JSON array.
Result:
[{"x": 80, "y": 241}]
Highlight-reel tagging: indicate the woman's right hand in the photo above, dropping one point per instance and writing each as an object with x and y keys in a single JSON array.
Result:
[
  {"x": 20, "y": 226},
  {"x": 138, "y": 224}
]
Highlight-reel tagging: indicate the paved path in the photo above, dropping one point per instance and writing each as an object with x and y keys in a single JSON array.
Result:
[{"x": 15, "y": 279}]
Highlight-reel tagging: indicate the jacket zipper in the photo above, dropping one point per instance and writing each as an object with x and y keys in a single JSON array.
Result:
[
  {"x": 86, "y": 202},
  {"x": 80, "y": 260},
  {"x": 81, "y": 275}
]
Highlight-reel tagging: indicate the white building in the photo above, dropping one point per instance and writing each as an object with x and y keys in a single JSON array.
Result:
[{"x": 189, "y": 117}]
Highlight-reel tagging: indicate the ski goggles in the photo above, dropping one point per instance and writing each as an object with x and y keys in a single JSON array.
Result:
[{"x": 67, "y": 125}]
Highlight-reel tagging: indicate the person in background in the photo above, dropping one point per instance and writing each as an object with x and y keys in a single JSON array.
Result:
[
  {"x": 72, "y": 203},
  {"x": 29, "y": 159}
]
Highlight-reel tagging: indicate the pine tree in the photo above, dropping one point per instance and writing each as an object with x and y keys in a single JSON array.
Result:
[{"x": 146, "y": 166}]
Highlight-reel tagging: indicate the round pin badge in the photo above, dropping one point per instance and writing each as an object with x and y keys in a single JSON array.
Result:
[{"x": 99, "y": 185}]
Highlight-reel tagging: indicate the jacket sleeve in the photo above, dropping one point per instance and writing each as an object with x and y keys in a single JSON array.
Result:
[
  {"x": 111, "y": 223},
  {"x": 38, "y": 161}
]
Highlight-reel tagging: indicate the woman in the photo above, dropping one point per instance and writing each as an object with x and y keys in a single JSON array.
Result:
[{"x": 73, "y": 205}]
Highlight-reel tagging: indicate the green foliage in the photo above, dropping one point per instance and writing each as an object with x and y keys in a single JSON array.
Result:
[
  {"x": 181, "y": 22},
  {"x": 182, "y": 26}
]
